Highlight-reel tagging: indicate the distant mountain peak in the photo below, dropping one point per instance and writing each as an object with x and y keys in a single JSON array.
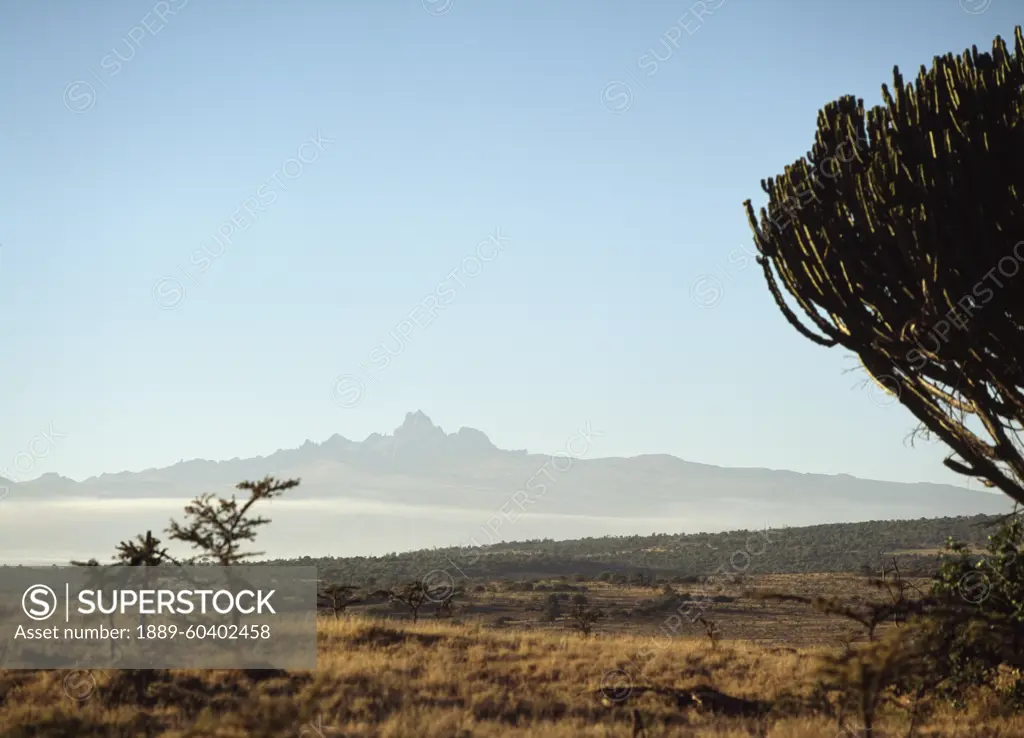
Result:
[
  {"x": 421, "y": 464},
  {"x": 336, "y": 442},
  {"x": 418, "y": 427},
  {"x": 474, "y": 440},
  {"x": 418, "y": 436},
  {"x": 54, "y": 480},
  {"x": 416, "y": 420}
]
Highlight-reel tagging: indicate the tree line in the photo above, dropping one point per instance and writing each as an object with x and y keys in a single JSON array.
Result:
[{"x": 839, "y": 547}]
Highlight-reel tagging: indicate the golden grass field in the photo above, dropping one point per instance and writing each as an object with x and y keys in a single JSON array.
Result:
[{"x": 474, "y": 678}]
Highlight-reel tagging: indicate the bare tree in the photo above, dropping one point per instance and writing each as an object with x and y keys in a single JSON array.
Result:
[
  {"x": 583, "y": 616},
  {"x": 711, "y": 631},
  {"x": 336, "y": 597}
]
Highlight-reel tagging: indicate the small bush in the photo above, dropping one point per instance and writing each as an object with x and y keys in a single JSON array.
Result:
[{"x": 551, "y": 609}]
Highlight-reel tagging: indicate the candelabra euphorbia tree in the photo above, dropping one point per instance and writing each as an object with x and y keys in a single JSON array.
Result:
[{"x": 900, "y": 236}]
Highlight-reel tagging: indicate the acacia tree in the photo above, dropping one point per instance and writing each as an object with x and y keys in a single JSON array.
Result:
[
  {"x": 218, "y": 527},
  {"x": 445, "y": 600},
  {"x": 899, "y": 237},
  {"x": 143, "y": 551},
  {"x": 583, "y": 616},
  {"x": 413, "y": 595},
  {"x": 336, "y": 597}
]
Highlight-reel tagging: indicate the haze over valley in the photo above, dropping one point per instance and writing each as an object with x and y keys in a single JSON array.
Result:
[{"x": 420, "y": 486}]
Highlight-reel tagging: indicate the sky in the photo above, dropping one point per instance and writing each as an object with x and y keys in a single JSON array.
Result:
[{"x": 228, "y": 227}]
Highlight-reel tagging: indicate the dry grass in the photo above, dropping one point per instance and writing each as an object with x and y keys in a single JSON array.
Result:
[
  {"x": 443, "y": 680},
  {"x": 745, "y": 618}
]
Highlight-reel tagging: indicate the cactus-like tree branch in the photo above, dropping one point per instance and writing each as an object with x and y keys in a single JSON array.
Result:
[{"x": 902, "y": 239}]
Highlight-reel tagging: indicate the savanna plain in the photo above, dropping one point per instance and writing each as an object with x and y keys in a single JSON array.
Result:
[{"x": 524, "y": 658}]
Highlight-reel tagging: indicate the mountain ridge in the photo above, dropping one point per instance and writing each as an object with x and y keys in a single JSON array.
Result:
[{"x": 419, "y": 463}]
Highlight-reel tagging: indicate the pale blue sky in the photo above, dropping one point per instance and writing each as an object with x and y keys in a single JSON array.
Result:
[{"x": 443, "y": 127}]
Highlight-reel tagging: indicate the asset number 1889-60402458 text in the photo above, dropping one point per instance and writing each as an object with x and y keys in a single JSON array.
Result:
[{"x": 193, "y": 632}]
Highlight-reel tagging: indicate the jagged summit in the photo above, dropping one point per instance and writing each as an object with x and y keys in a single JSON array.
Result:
[
  {"x": 473, "y": 440},
  {"x": 419, "y": 436},
  {"x": 420, "y": 464},
  {"x": 417, "y": 419},
  {"x": 418, "y": 427}
]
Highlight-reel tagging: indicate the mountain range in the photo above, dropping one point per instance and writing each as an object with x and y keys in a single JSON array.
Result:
[{"x": 420, "y": 464}]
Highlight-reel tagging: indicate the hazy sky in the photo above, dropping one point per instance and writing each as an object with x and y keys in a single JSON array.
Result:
[{"x": 378, "y": 145}]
